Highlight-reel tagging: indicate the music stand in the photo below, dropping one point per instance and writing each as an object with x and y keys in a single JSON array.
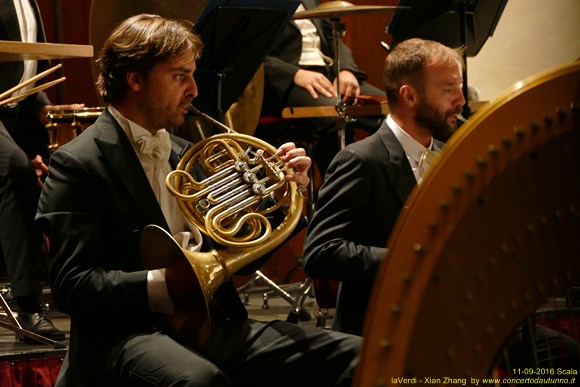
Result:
[
  {"x": 454, "y": 23},
  {"x": 237, "y": 35}
]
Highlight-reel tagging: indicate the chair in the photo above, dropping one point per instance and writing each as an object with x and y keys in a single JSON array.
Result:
[{"x": 325, "y": 293}]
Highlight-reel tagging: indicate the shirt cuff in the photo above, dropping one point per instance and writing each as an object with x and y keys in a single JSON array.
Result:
[{"x": 159, "y": 300}]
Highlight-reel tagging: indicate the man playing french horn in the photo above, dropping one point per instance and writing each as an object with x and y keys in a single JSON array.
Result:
[{"x": 105, "y": 187}]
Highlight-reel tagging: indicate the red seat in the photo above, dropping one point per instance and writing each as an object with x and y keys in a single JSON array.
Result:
[
  {"x": 269, "y": 120},
  {"x": 326, "y": 292}
]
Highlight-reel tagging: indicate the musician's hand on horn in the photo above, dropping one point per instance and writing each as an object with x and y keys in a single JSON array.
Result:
[{"x": 297, "y": 159}]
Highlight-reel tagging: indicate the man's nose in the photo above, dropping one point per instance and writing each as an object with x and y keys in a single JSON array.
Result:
[
  {"x": 460, "y": 98},
  {"x": 192, "y": 91}
]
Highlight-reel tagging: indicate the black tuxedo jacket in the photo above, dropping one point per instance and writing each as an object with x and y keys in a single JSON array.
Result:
[
  {"x": 365, "y": 189},
  {"x": 95, "y": 202},
  {"x": 10, "y": 30},
  {"x": 21, "y": 121}
]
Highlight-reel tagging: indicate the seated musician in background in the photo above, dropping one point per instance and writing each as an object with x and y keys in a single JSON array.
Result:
[
  {"x": 23, "y": 158},
  {"x": 369, "y": 181},
  {"x": 299, "y": 72},
  {"x": 104, "y": 187}
]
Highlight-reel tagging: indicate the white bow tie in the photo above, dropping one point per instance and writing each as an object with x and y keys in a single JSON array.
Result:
[{"x": 155, "y": 146}]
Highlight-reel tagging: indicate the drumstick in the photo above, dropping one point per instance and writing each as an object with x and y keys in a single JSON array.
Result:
[
  {"x": 32, "y": 91},
  {"x": 29, "y": 81}
]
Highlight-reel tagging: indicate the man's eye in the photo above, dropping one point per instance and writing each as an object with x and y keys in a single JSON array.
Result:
[
  {"x": 179, "y": 76},
  {"x": 450, "y": 89}
]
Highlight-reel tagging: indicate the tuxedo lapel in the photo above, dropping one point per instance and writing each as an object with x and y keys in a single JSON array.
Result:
[
  {"x": 40, "y": 35},
  {"x": 309, "y": 4},
  {"x": 397, "y": 168},
  {"x": 9, "y": 20},
  {"x": 123, "y": 161},
  {"x": 11, "y": 72},
  {"x": 179, "y": 147},
  {"x": 318, "y": 22}
]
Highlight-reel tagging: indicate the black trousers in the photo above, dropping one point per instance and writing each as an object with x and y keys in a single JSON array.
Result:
[
  {"x": 240, "y": 353},
  {"x": 20, "y": 241}
]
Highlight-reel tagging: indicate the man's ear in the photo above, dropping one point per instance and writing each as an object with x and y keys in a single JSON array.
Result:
[
  {"x": 409, "y": 95},
  {"x": 134, "y": 81}
]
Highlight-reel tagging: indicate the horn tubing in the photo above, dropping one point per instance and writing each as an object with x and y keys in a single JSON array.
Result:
[
  {"x": 193, "y": 277},
  {"x": 198, "y": 112}
]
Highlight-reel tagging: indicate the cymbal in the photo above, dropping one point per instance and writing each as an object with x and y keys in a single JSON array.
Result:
[{"x": 344, "y": 8}]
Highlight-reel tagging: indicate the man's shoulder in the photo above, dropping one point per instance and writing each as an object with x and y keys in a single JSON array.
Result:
[{"x": 368, "y": 145}]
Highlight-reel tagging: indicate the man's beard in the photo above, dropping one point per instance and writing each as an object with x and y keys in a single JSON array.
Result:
[{"x": 435, "y": 121}]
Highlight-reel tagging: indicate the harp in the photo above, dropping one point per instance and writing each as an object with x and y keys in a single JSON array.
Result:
[{"x": 490, "y": 235}]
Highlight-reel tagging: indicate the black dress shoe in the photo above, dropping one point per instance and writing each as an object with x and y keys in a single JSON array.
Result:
[{"x": 40, "y": 324}]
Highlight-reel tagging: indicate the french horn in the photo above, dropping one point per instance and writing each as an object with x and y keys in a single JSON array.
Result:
[{"x": 240, "y": 173}]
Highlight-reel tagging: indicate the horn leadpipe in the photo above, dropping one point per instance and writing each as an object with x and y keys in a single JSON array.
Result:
[{"x": 192, "y": 109}]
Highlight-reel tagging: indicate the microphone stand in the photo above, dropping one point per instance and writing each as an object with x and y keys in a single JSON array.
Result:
[
  {"x": 461, "y": 9},
  {"x": 338, "y": 31}
]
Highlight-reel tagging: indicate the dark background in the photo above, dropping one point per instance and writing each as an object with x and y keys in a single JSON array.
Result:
[{"x": 69, "y": 21}]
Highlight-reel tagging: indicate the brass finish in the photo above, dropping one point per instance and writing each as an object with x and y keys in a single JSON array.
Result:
[
  {"x": 64, "y": 125},
  {"x": 227, "y": 205},
  {"x": 331, "y": 9}
]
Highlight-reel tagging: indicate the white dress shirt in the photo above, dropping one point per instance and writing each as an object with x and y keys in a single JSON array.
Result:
[
  {"x": 28, "y": 32},
  {"x": 153, "y": 152},
  {"x": 311, "y": 54}
]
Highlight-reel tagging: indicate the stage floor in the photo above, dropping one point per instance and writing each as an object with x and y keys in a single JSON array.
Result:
[{"x": 274, "y": 307}]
